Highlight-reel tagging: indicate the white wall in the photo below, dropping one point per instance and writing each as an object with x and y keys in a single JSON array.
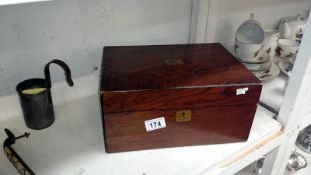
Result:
[
  {"x": 76, "y": 30},
  {"x": 225, "y": 16}
]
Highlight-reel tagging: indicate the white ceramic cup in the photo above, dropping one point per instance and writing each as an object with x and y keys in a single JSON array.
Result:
[
  {"x": 246, "y": 51},
  {"x": 271, "y": 41},
  {"x": 287, "y": 48}
]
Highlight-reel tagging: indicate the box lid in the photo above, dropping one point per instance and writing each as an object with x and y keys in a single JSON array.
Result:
[{"x": 128, "y": 68}]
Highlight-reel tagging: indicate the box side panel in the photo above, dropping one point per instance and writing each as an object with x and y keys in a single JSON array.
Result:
[
  {"x": 127, "y": 132},
  {"x": 180, "y": 98},
  {"x": 103, "y": 120}
]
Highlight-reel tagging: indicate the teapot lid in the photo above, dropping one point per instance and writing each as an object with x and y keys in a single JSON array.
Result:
[{"x": 294, "y": 19}]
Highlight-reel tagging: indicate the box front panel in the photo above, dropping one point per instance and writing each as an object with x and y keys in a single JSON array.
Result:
[{"x": 129, "y": 131}]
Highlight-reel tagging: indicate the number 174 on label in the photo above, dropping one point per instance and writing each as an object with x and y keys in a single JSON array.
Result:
[{"x": 155, "y": 124}]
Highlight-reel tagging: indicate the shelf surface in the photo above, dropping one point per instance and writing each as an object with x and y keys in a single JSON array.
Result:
[
  {"x": 272, "y": 95},
  {"x": 10, "y": 2},
  {"x": 74, "y": 143}
]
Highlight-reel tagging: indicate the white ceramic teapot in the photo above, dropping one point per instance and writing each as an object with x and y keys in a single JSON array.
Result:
[{"x": 292, "y": 27}]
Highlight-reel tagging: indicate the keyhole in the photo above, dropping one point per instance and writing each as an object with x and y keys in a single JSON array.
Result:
[{"x": 183, "y": 114}]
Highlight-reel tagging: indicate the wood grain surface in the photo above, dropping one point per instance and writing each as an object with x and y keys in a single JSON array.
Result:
[
  {"x": 126, "y": 131},
  {"x": 145, "y": 67}
]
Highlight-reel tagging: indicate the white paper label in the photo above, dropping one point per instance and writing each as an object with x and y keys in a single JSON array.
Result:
[
  {"x": 241, "y": 91},
  {"x": 155, "y": 124}
]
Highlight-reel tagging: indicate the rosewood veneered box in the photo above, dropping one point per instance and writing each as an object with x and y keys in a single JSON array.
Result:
[{"x": 175, "y": 95}]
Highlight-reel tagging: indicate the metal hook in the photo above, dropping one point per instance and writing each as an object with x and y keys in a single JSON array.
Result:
[{"x": 62, "y": 65}]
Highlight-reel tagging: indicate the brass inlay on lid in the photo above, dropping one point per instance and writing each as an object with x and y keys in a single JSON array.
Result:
[{"x": 172, "y": 62}]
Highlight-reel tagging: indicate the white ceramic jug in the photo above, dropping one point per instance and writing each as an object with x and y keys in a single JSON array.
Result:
[{"x": 292, "y": 28}]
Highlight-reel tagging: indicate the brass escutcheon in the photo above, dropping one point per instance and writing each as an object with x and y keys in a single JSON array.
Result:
[{"x": 183, "y": 116}]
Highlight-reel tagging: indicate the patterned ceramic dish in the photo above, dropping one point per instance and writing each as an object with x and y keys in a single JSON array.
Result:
[
  {"x": 285, "y": 67},
  {"x": 258, "y": 67},
  {"x": 268, "y": 74},
  {"x": 292, "y": 60},
  {"x": 262, "y": 59}
]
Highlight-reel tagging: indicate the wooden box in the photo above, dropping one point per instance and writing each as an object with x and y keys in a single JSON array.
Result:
[{"x": 175, "y": 95}]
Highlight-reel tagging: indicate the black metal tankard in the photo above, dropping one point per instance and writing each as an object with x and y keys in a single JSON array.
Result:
[{"x": 36, "y": 99}]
